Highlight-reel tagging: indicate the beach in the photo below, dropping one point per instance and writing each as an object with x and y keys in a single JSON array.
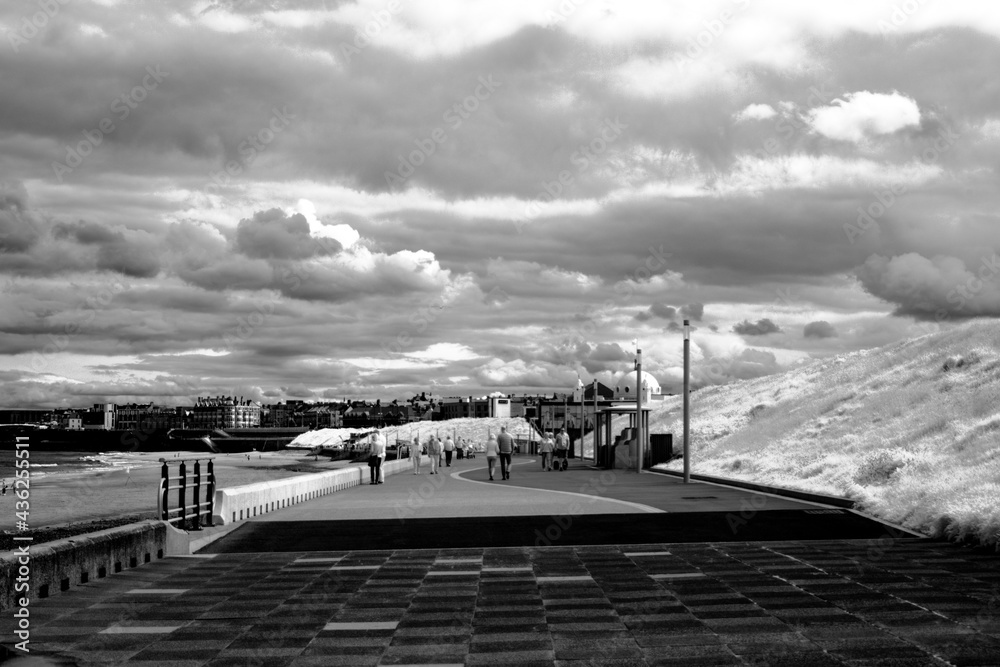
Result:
[{"x": 128, "y": 484}]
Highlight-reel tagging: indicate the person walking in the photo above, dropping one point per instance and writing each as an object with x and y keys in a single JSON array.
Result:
[
  {"x": 505, "y": 444},
  {"x": 562, "y": 449},
  {"x": 376, "y": 455},
  {"x": 449, "y": 449},
  {"x": 545, "y": 448},
  {"x": 415, "y": 454},
  {"x": 491, "y": 454},
  {"x": 434, "y": 452}
]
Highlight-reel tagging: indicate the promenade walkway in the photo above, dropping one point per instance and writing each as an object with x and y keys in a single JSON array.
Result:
[{"x": 868, "y": 595}]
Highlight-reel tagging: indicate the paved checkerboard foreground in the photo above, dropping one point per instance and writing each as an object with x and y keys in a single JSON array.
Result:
[{"x": 889, "y": 602}]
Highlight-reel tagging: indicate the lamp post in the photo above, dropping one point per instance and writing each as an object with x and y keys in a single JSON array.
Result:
[
  {"x": 687, "y": 413},
  {"x": 594, "y": 438},
  {"x": 638, "y": 409}
]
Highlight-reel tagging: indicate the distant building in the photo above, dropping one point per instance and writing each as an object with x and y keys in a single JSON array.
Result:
[
  {"x": 502, "y": 407},
  {"x": 323, "y": 416},
  {"x": 148, "y": 417},
  {"x": 211, "y": 412},
  {"x": 100, "y": 417},
  {"x": 18, "y": 416}
]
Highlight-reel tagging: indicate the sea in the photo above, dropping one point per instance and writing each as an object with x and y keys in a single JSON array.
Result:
[{"x": 49, "y": 463}]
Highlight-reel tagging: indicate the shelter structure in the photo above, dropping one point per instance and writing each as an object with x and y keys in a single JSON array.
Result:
[{"x": 621, "y": 450}]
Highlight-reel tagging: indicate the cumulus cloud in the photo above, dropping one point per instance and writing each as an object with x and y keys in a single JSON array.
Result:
[
  {"x": 19, "y": 229},
  {"x": 819, "y": 329},
  {"x": 864, "y": 114},
  {"x": 86, "y": 232},
  {"x": 760, "y": 328},
  {"x": 657, "y": 310},
  {"x": 499, "y": 373},
  {"x": 274, "y": 234},
  {"x": 755, "y": 112},
  {"x": 693, "y": 311},
  {"x": 938, "y": 287},
  {"x": 131, "y": 258}
]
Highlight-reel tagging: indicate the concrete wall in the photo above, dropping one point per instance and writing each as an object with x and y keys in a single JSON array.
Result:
[
  {"x": 56, "y": 566},
  {"x": 62, "y": 564},
  {"x": 240, "y": 503}
]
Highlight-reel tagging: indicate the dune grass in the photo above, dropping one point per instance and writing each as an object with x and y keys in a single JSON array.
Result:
[{"x": 910, "y": 431}]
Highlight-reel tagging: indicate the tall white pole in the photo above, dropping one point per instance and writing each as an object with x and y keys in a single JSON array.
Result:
[
  {"x": 593, "y": 438},
  {"x": 638, "y": 410},
  {"x": 687, "y": 413}
]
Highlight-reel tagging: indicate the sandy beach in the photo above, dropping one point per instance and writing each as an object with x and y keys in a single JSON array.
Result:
[{"x": 59, "y": 499}]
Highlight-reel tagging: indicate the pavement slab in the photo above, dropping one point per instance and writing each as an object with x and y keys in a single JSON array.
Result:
[
  {"x": 563, "y": 608},
  {"x": 583, "y": 567}
]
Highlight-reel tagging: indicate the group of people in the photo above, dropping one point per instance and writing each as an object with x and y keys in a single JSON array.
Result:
[
  {"x": 557, "y": 446},
  {"x": 499, "y": 447}
]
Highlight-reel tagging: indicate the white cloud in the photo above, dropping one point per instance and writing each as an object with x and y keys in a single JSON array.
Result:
[
  {"x": 343, "y": 233},
  {"x": 445, "y": 352},
  {"x": 755, "y": 112},
  {"x": 991, "y": 129},
  {"x": 863, "y": 114},
  {"x": 752, "y": 174}
]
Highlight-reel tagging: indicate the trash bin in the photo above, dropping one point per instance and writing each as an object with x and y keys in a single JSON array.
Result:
[
  {"x": 602, "y": 456},
  {"x": 661, "y": 448}
]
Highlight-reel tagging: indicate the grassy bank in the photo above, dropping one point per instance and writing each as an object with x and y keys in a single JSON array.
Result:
[{"x": 911, "y": 431}]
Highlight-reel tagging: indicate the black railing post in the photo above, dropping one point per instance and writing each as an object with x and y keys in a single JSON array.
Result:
[
  {"x": 181, "y": 493},
  {"x": 210, "y": 495},
  {"x": 165, "y": 481},
  {"x": 197, "y": 494}
]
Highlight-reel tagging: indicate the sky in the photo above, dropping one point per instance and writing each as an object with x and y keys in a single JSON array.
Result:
[{"x": 313, "y": 199}]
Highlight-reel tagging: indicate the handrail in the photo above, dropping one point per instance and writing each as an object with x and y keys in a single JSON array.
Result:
[{"x": 207, "y": 507}]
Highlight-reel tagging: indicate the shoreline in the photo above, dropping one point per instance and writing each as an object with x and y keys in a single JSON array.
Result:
[{"x": 67, "y": 500}]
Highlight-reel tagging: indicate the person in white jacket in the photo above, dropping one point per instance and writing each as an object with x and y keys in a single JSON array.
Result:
[
  {"x": 545, "y": 448},
  {"x": 376, "y": 455},
  {"x": 492, "y": 453},
  {"x": 415, "y": 454},
  {"x": 449, "y": 450}
]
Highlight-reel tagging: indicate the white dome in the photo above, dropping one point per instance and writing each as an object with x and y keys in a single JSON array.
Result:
[{"x": 628, "y": 380}]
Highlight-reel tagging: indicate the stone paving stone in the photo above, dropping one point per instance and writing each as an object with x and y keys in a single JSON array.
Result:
[
  {"x": 157, "y": 653},
  {"x": 332, "y": 661},
  {"x": 99, "y": 657},
  {"x": 488, "y": 637},
  {"x": 622, "y": 662},
  {"x": 542, "y": 643},
  {"x": 510, "y": 658},
  {"x": 242, "y": 662}
]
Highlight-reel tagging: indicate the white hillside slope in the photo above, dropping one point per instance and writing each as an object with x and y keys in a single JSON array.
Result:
[{"x": 916, "y": 444}]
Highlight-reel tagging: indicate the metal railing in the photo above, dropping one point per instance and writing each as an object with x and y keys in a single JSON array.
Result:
[{"x": 183, "y": 511}]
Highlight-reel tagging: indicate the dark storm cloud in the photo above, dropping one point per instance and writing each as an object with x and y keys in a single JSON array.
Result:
[
  {"x": 273, "y": 234},
  {"x": 762, "y": 327},
  {"x": 18, "y": 227},
  {"x": 940, "y": 287},
  {"x": 819, "y": 329},
  {"x": 131, "y": 258},
  {"x": 86, "y": 232},
  {"x": 662, "y": 310},
  {"x": 693, "y": 311}
]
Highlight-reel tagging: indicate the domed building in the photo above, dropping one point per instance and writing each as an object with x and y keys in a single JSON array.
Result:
[{"x": 624, "y": 386}]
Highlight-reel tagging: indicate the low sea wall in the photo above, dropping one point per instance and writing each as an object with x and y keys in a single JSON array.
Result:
[
  {"x": 38, "y": 571},
  {"x": 43, "y": 570},
  {"x": 239, "y": 503}
]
